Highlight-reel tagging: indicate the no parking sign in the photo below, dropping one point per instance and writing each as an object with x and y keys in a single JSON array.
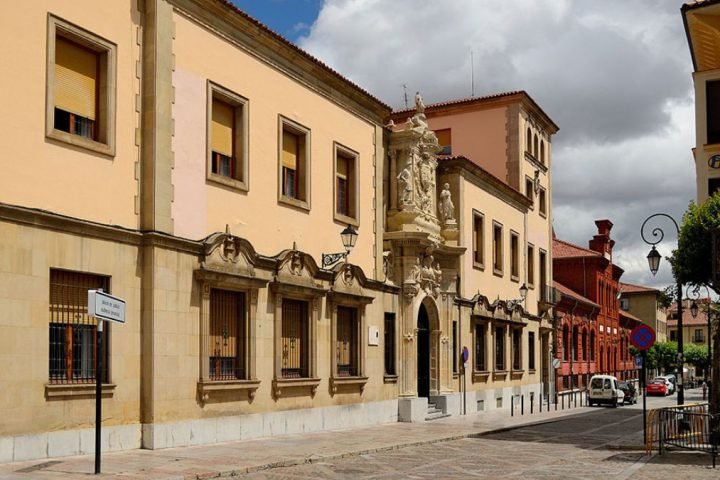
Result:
[{"x": 642, "y": 337}]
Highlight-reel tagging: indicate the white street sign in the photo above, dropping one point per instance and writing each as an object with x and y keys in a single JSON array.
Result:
[{"x": 106, "y": 307}]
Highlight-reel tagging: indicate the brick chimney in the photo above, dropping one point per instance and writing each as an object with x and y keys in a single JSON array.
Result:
[{"x": 601, "y": 242}]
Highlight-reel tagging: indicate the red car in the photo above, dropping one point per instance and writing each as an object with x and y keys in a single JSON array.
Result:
[{"x": 656, "y": 387}]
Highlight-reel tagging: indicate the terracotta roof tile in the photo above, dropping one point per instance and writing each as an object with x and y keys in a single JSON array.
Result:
[
  {"x": 688, "y": 319},
  {"x": 562, "y": 249},
  {"x": 566, "y": 291},
  {"x": 630, "y": 316},
  {"x": 630, "y": 288},
  {"x": 230, "y": 6}
]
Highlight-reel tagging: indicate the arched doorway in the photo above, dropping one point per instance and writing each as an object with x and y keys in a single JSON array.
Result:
[{"x": 423, "y": 353}]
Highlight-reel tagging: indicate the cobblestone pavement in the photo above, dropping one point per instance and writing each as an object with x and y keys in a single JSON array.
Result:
[
  {"x": 570, "y": 443},
  {"x": 587, "y": 445}
]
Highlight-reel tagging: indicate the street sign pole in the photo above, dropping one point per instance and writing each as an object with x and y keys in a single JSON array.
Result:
[
  {"x": 644, "y": 394},
  {"x": 98, "y": 395}
]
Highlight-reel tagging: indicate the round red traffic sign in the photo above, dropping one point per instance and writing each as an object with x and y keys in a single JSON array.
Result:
[{"x": 642, "y": 337}]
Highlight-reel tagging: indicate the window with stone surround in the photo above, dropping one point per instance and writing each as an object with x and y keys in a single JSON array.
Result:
[
  {"x": 227, "y": 137},
  {"x": 478, "y": 239},
  {"x": 228, "y": 336},
  {"x": 72, "y": 333},
  {"x": 497, "y": 248},
  {"x": 346, "y": 185},
  {"x": 480, "y": 348},
  {"x": 499, "y": 348},
  {"x": 514, "y": 256},
  {"x": 517, "y": 348},
  {"x": 295, "y": 353},
  {"x": 530, "y": 265},
  {"x": 80, "y": 88},
  {"x": 294, "y": 158},
  {"x": 531, "y": 350},
  {"x": 347, "y": 342},
  {"x": 389, "y": 344},
  {"x": 542, "y": 201}
]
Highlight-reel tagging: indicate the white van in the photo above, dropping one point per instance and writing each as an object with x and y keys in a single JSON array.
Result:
[{"x": 604, "y": 389}]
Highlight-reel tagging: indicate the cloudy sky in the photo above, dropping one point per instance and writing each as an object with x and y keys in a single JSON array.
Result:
[{"x": 615, "y": 75}]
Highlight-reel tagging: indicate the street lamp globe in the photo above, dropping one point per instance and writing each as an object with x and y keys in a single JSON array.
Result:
[
  {"x": 694, "y": 309},
  {"x": 523, "y": 291},
  {"x": 654, "y": 260},
  {"x": 349, "y": 237}
]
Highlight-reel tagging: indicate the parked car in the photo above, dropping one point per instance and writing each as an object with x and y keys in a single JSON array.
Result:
[
  {"x": 669, "y": 383},
  {"x": 630, "y": 392},
  {"x": 657, "y": 387},
  {"x": 605, "y": 389}
]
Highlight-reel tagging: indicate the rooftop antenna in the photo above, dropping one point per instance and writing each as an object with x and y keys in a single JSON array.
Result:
[
  {"x": 472, "y": 73},
  {"x": 405, "y": 94}
]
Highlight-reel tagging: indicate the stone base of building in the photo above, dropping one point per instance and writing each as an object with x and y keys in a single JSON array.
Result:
[
  {"x": 245, "y": 427},
  {"x": 196, "y": 432},
  {"x": 412, "y": 409},
  {"x": 66, "y": 443}
]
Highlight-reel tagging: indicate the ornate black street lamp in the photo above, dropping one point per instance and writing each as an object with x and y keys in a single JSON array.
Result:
[
  {"x": 654, "y": 263},
  {"x": 694, "y": 309},
  {"x": 349, "y": 237}
]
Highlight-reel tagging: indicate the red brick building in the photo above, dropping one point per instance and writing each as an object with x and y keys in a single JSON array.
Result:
[{"x": 590, "y": 335}]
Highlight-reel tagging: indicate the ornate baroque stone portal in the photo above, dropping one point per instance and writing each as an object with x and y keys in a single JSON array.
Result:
[{"x": 413, "y": 161}]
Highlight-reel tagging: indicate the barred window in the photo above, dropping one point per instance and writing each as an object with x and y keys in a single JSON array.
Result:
[
  {"x": 480, "y": 364},
  {"x": 73, "y": 334},
  {"x": 294, "y": 342},
  {"x": 531, "y": 350},
  {"x": 517, "y": 349},
  {"x": 346, "y": 344},
  {"x": 389, "y": 343},
  {"x": 500, "y": 348},
  {"x": 227, "y": 341}
]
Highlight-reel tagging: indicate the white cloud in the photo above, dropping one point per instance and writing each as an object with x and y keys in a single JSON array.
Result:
[{"x": 614, "y": 75}]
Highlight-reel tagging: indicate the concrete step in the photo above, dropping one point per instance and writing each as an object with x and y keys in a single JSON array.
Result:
[{"x": 436, "y": 415}]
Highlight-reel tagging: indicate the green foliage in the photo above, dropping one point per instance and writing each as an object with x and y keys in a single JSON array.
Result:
[
  {"x": 696, "y": 355},
  {"x": 666, "y": 296},
  {"x": 662, "y": 356},
  {"x": 691, "y": 262}
]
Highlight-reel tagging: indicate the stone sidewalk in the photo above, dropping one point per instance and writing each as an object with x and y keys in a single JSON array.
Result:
[{"x": 234, "y": 458}]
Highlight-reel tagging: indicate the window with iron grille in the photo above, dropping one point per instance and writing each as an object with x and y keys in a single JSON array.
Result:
[
  {"x": 480, "y": 365},
  {"x": 390, "y": 344},
  {"x": 517, "y": 352},
  {"x": 531, "y": 350},
  {"x": 346, "y": 344},
  {"x": 73, "y": 334},
  {"x": 227, "y": 340},
  {"x": 499, "y": 348},
  {"x": 294, "y": 164},
  {"x": 455, "y": 353},
  {"x": 294, "y": 342}
]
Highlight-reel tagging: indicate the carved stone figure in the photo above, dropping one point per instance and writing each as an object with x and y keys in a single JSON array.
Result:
[
  {"x": 419, "y": 105},
  {"x": 296, "y": 264},
  {"x": 446, "y": 209},
  {"x": 405, "y": 186}
]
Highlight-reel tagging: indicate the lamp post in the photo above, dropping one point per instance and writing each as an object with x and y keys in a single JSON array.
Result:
[
  {"x": 523, "y": 290},
  {"x": 349, "y": 237},
  {"x": 654, "y": 263},
  {"x": 694, "y": 309}
]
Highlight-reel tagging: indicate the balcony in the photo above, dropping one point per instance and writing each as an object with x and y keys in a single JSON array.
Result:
[{"x": 549, "y": 297}]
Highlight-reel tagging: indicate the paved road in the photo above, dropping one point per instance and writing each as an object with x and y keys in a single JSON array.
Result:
[{"x": 574, "y": 447}]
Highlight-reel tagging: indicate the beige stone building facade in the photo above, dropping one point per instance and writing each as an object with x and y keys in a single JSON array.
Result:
[
  {"x": 645, "y": 304},
  {"x": 199, "y": 166}
]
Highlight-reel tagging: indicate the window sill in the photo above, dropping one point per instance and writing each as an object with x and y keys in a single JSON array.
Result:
[
  {"x": 280, "y": 384},
  {"x": 497, "y": 273},
  {"x": 390, "y": 378},
  {"x": 515, "y": 278},
  {"x": 338, "y": 382},
  {"x": 294, "y": 202},
  {"x": 517, "y": 373},
  {"x": 478, "y": 266},
  {"x": 85, "y": 390},
  {"x": 532, "y": 371},
  {"x": 82, "y": 142},
  {"x": 233, "y": 183},
  {"x": 500, "y": 374},
  {"x": 480, "y": 376},
  {"x": 543, "y": 214},
  {"x": 346, "y": 220},
  {"x": 207, "y": 388}
]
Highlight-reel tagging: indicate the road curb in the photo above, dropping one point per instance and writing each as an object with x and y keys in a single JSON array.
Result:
[{"x": 355, "y": 453}]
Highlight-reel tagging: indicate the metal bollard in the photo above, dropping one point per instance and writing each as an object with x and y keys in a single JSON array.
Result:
[
  {"x": 532, "y": 401},
  {"x": 522, "y": 404},
  {"x": 556, "y": 401},
  {"x": 563, "y": 402},
  {"x": 512, "y": 405},
  {"x": 541, "y": 400}
]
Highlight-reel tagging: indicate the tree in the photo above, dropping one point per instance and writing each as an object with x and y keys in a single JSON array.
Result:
[
  {"x": 692, "y": 264},
  {"x": 697, "y": 356}
]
